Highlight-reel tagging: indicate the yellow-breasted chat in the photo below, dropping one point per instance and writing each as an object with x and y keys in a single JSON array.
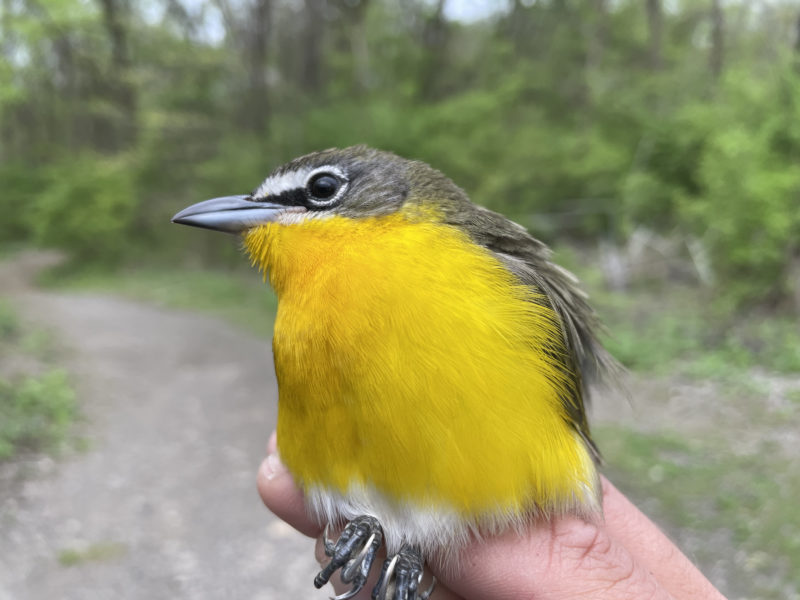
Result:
[{"x": 432, "y": 360}]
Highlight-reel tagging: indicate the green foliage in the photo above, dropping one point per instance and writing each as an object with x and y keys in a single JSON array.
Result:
[
  {"x": 9, "y": 322},
  {"x": 646, "y": 200},
  {"x": 20, "y": 185},
  {"x": 237, "y": 168},
  {"x": 87, "y": 208},
  {"x": 749, "y": 211},
  {"x": 37, "y": 402},
  {"x": 102, "y": 551},
  {"x": 685, "y": 333},
  {"x": 35, "y": 412},
  {"x": 577, "y": 119},
  {"x": 654, "y": 344}
]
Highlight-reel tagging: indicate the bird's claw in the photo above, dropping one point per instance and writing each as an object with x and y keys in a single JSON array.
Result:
[
  {"x": 353, "y": 553},
  {"x": 401, "y": 575}
]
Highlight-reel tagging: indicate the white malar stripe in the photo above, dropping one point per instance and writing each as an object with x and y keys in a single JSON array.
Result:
[{"x": 296, "y": 217}]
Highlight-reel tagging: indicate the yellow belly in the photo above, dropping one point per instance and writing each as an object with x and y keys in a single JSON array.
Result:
[{"x": 409, "y": 360}]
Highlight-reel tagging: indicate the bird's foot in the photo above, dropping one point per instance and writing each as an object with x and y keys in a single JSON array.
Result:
[
  {"x": 401, "y": 575},
  {"x": 353, "y": 553}
]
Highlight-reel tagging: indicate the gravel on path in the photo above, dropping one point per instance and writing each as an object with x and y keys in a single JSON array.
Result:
[{"x": 177, "y": 412}]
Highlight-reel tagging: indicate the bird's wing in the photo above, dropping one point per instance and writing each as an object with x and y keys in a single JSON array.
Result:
[{"x": 529, "y": 260}]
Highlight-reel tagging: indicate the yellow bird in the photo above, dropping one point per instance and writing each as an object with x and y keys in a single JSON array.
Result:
[{"x": 431, "y": 360}]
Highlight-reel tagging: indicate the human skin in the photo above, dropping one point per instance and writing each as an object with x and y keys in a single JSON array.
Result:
[{"x": 623, "y": 557}]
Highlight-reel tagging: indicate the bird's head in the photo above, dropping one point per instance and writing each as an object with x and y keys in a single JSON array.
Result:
[{"x": 353, "y": 182}]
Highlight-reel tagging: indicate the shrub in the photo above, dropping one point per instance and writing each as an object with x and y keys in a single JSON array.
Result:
[{"x": 88, "y": 208}]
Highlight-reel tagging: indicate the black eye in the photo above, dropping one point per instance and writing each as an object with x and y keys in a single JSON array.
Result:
[{"x": 323, "y": 186}]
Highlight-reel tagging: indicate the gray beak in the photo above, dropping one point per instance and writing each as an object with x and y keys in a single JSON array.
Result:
[{"x": 232, "y": 214}]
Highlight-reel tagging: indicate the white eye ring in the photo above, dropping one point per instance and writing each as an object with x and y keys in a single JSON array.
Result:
[{"x": 334, "y": 172}]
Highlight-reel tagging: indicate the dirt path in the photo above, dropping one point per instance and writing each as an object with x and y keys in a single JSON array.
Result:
[{"x": 163, "y": 503}]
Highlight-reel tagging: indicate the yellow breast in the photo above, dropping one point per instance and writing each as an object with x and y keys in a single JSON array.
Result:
[{"x": 410, "y": 360}]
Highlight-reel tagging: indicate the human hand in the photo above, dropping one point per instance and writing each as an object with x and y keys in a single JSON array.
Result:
[{"x": 626, "y": 556}]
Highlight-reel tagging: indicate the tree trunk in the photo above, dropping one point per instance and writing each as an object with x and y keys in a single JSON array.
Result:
[
  {"x": 797, "y": 35},
  {"x": 122, "y": 129},
  {"x": 120, "y": 56},
  {"x": 434, "y": 41},
  {"x": 797, "y": 44},
  {"x": 260, "y": 29},
  {"x": 182, "y": 17},
  {"x": 358, "y": 44},
  {"x": 597, "y": 35},
  {"x": 717, "y": 54},
  {"x": 314, "y": 32},
  {"x": 655, "y": 24}
]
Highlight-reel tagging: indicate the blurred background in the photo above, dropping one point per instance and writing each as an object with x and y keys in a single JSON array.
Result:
[{"x": 654, "y": 144}]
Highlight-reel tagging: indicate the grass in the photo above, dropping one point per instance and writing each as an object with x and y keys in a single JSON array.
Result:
[
  {"x": 9, "y": 322},
  {"x": 695, "y": 341},
  {"x": 734, "y": 513},
  {"x": 37, "y": 401},
  {"x": 239, "y": 297},
  {"x": 794, "y": 396},
  {"x": 71, "y": 557},
  {"x": 36, "y": 412}
]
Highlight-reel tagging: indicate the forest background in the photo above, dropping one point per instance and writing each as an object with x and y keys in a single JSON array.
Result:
[
  {"x": 654, "y": 144},
  {"x": 586, "y": 121}
]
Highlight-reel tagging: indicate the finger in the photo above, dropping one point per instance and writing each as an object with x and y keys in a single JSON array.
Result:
[
  {"x": 280, "y": 494},
  {"x": 565, "y": 558},
  {"x": 675, "y": 572}
]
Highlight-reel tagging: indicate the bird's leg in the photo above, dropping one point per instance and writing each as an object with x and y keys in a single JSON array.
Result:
[
  {"x": 353, "y": 553},
  {"x": 401, "y": 575}
]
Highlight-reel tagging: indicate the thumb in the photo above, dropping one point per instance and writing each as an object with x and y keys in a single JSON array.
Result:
[{"x": 281, "y": 495}]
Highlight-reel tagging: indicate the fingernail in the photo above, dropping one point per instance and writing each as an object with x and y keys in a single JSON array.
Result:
[
  {"x": 272, "y": 445},
  {"x": 273, "y": 466}
]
